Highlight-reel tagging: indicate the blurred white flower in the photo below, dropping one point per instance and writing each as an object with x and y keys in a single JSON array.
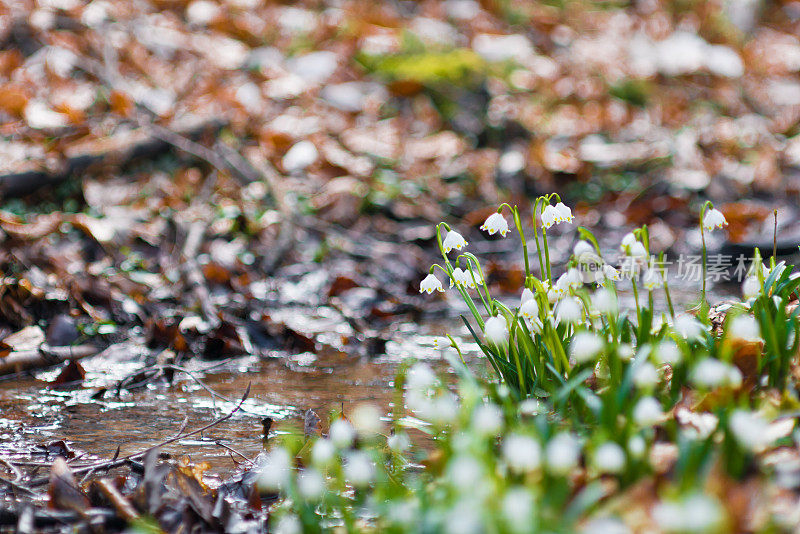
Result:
[
  {"x": 288, "y": 524},
  {"x": 342, "y": 433},
  {"x": 421, "y": 377},
  {"x": 647, "y": 412},
  {"x": 323, "y": 452},
  {"x": 627, "y": 241},
  {"x": 714, "y": 219},
  {"x": 646, "y": 375},
  {"x": 693, "y": 513},
  {"x": 636, "y": 250},
  {"x": 667, "y": 351},
  {"x": 430, "y": 284},
  {"x": 562, "y": 453},
  {"x": 311, "y": 483},
  {"x": 569, "y": 310},
  {"x": 366, "y": 419},
  {"x": 637, "y": 446},
  {"x": 712, "y": 373},
  {"x": 585, "y": 347},
  {"x": 522, "y": 453},
  {"x": 495, "y": 223},
  {"x": 464, "y": 518},
  {"x": 625, "y": 352},
  {"x": 518, "y": 509},
  {"x": 604, "y": 301},
  {"x": 275, "y": 470},
  {"x": 609, "y": 458},
  {"x": 358, "y": 469},
  {"x": 440, "y": 410},
  {"x": 651, "y": 279},
  {"x": 399, "y": 442},
  {"x": 744, "y": 327},
  {"x": 465, "y": 473},
  {"x": 487, "y": 419},
  {"x": 583, "y": 249},
  {"x": 751, "y": 287},
  {"x": 605, "y": 525},
  {"x": 608, "y": 272},
  {"x": 496, "y": 331},
  {"x": 688, "y": 327},
  {"x": 750, "y": 429},
  {"x": 453, "y": 241},
  {"x": 527, "y": 295},
  {"x": 530, "y": 407}
]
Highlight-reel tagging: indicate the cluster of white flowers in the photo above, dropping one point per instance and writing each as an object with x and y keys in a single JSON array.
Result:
[
  {"x": 463, "y": 278},
  {"x": 711, "y": 373},
  {"x": 552, "y": 215},
  {"x": 693, "y": 513},
  {"x": 522, "y": 453}
]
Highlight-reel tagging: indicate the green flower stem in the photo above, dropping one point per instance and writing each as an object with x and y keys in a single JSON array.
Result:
[
  {"x": 547, "y": 255},
  {"x": 518, "y": 223},
  {"x": 636, "y": 301},
  {"x": 536, "y": 235},
  {"x": 705, "y": 252}
]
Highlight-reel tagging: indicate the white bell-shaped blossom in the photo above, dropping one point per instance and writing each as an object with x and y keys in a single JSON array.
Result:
[
  {"x": 569, "y": 310},
  {"x": 342, "y": 433},
  {"x": 358, "y": 469},
  {"x": 430, "y": 284},
  {"x": 583, "y": 248},
  {"x": 522, "y": 453},
  {"x": 646, "y": 375},
  {"x": 688, "y": 327},
  {"x": 585, "y": 347},
  {"x": 745, "y": 328},
  {"x": 453, "y": 241},
  {"x": 609, "y": 458},
  {"x": 487, "y": 419},
  {"x": 529, "y": 310},
  {"x": 751, "y": 287},
  {"x": 275, "y": 470},
  {"x": 647, "y": 412},
  {"x": 495, "y": 223},
  {"x": 714, "y": 219},
  {"x": 563, "y": 453},
  {"x": 462, "y": 278},
  {"x": 750, "y": 429},
  {"x": 564, "y": 213},
  {"x": 651, "y": 279},
  {"x": 711, "y": 373},
  {"x": 667, "y": 351},
  {"x": 549, "y": 216},
  {"x": 311, "y": 483},
  {"x": 627, "y": 241},
  {"x": 604, "y": 301},
  {"x": 496, "y": 331}
]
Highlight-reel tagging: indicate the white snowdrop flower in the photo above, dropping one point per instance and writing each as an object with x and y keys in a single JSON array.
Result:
[
  {"x": 288, "y": 524},
  {"x": 609, "y": 458},
  {"x": 342, "y": 433},
  {"x": 636, "y": 250},
  {"x": 585, "y": 347},
  {"x": 625, "y": 352},
  {"x": 311, "y": 483},
  {"x": 549, "y": 216},
  {"x": 647, "y": 412},
  {"x": 465, "y": 472},
  {"x": 421, "y": 377},
  {"x": 496, "y": 331},
  {"x": 529, "y": 310},
  {"x": 569, "y": 310},
  {"x": 583, "y": 248},
  {"x": 645, "y": 376},
  {"x": 605, "y": 525},
  {"x": 495, "y": 223},
  {"x": 712, "y": 373},
  {"x": 651, "y": 279},
  {"x": 750, "y": 429},
  {"x": 627, "y": 241},
  {"x": 608, "y": 272},
  {"x": 522, "y": 453},
  {"x": 564, "y": 213},
  {"x": 667, "y": 351},
  {"x": 751, "y": 287},
  {"x": 527, "y": 295},
  {"x": 462, "y": 277},
  {"x": 358, "y": 469},
  {"x": 430, "y": 284},
  {"x": 453, "y": 241},
  {"x": 688, "y": 327},
  {"x": 694, "y": 513},
  {"x": 574, "y": 278},
  {"x": 399, "y": 442},
  {"x": 530, "y": 407},
  {"x": 714, "y": 219},
  {"x": 487, "y": 419},
  {"x": 745, "y": 327},
  {"x": 366, "y": 419},
  {"x": 441, "y": 410},
  {"x": 562, "y": 453},
  {"x": 275, "y": 470},
  {"x": 637, "y": 446},
  {"x": 517, "y": 509},
  {"x": 464, "y": 518},
  {"x": 604, "y": 301},
  {"x": 323, "y": 452},
  {"x": 403, "y": 512}
]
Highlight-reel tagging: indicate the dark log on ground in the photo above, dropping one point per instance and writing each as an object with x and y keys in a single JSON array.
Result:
[
  {"x": 25, "y": 360},
  {"x": 127, "y": 145}
]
